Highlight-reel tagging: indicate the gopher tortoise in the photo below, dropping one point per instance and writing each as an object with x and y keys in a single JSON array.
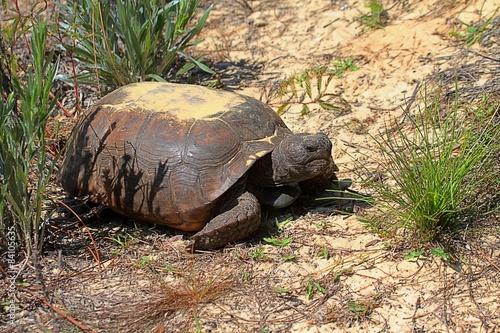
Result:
[{"x": 192, "y": 158}]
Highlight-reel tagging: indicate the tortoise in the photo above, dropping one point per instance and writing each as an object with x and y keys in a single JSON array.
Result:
[{"x": 192, "y": 158}]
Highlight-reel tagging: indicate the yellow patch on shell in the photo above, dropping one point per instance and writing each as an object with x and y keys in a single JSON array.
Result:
[
  {"x": 254, "y": 157},
  {"x": 181, "y": 101}
]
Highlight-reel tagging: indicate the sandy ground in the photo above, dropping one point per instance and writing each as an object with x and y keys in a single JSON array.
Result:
[{"x": 335, "y": 275}]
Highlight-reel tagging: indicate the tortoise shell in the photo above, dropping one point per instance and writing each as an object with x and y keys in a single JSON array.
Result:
[{"x": 165, "y": 153}]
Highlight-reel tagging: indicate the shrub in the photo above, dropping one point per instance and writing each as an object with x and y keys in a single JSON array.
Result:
[
  {"x": 126, "y": 41},
  {"x": 23, "y": 159}
]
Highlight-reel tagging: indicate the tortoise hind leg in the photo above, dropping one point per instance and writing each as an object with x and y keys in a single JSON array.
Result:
[{"x": 234, "y": 224}]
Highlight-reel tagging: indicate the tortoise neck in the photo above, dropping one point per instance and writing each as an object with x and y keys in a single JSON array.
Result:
[{"x": 262, "y": 172}]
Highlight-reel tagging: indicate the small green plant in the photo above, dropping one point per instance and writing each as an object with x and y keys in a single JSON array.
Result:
[
  {"x": 6, "y": 303},
  {"x": 71, "y": 330},
  {"x": 258, "y": 254},
  {"x": 145, "y": 261},
  {"x": 121, "y": 42},
  {"x": 310, "y": 88},
  {"x": 25, "y": 167},
  {"x": 341, "y": 66},
  {"x": 324, "y": 253},
  {"x": 124, "y": 241},
  {"x": 474, "y": 32},
  {"x": 288, "y": 257},
  {"x": 357, "y": 308},
  {"x": 414, "y": 254},
  {"x": 441, "y": 253},
  {"x": 168, "y": 268},
  {"x": 281, "y": 225},
  {"x": 438, "y": 168},
  {"x": 246, "y": 276},
  {"x": 377, "y": 17},
  {"x": 278, "y": 242},
  {"x": 363, "y": 307},
  {"x": 282, "y": 290},
  {"x": 23, "y": 284},
  {"x": 323, "y": 225},
  {"x": 312, "y": 287}
]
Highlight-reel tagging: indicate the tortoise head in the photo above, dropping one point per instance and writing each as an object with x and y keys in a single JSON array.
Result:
[{"x": 303, "y": 156}]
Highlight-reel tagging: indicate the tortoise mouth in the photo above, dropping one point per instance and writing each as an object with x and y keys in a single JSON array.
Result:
[
  {"x": 319, "y": 162},
  {"x": 319, "y": 166}
]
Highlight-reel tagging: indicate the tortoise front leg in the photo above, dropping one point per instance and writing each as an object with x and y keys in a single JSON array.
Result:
[{"x": 231, "y": 225}]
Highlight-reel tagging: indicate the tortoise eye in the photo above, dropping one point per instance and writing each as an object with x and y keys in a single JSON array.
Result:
[{"x": 311, "y": 149}]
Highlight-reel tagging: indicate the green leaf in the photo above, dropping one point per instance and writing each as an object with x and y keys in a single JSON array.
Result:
[
  {"x": 305, "y": 109},
  {"x": 308, "y": 86},
  {"x": 313, "y": 286},
  {"x": 414, "y": 254},
  {"x": 441, "y": 252},
  {"x": 199, "y": 64},
  {"x": 156, "y": 77},
  {"x": 319, "y": 287},
  {"x": 168, "y": 268},
  {"x": 283, "y": 108},
  {"x": 282, "y": 290},
  {"x": 355, "y": 307},
  {"x": 186, "y": 68},
  {"x": 319, "y": 82},
  {"x": 23, "y": 284},
  {"x": 281, "y": 225},
  {"x": 277, "y": 242},
  {"x": 326, "y": 105}
]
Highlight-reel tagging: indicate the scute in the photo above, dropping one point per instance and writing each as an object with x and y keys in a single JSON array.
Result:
[{"x": 165, "y": 152}]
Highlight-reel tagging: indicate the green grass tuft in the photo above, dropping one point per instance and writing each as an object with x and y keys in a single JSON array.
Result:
[{"x": 438, "y": 170}]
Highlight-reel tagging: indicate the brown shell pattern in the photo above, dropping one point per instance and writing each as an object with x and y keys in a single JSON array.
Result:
[{"x": 165, "y": 152}]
